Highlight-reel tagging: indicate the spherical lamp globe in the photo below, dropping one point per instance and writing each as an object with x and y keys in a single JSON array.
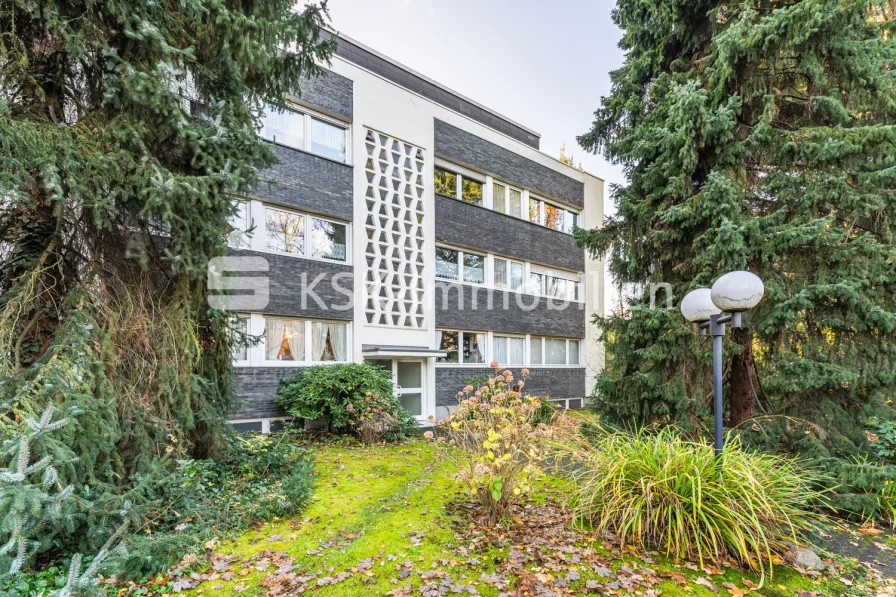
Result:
[
  {"x": 697, "y": 306},
  {"x": 737, "y": 291}
]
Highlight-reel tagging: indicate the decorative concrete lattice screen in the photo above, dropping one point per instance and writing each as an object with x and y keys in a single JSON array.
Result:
[{"x": 394, "y": 253}]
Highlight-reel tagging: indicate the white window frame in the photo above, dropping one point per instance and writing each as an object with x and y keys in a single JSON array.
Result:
[
  {"x": 256, "y": 238},
  {"x": 257, "y": 353},
  {"x": 486, "y": 349},
  {"x": 265, "y": 423},
  {"x": 460, "y": 267},
  {"x": 460, "y": 174},
  {"x": 307, "y": 115},
  {"x": 245, "y": 362},
  {"x": 544, "y": 365},
  {"x": 528, "y": 268},
  {"x": 494, "y": 357}
]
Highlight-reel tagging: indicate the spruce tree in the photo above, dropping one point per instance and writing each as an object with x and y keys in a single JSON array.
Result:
[
  {"x": 756, "y": 135},
  {"x": 125, "y": 129}
]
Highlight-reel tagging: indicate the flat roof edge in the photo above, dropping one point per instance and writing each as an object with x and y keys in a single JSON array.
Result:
[{"x": 411, "y": 71}]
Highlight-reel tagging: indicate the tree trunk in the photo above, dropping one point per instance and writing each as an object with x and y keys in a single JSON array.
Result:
[{"x": 743, "y": 398}]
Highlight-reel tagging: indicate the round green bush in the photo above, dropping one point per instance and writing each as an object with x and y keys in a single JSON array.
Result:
[{"x": 324, "y": 392}]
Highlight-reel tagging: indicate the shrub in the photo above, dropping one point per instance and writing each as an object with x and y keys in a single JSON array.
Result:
[
  {"x": 371, "y": 418},
  {"x": 257, "y": 477},
  {"x": 499, "y": 443},
  {"x": 660, "y": 491},
  {"x": 325, "y": 391}
]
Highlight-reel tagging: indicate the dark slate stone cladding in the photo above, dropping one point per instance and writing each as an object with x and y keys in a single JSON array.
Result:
[
  {"x": 439, "y": 95},
  {"x": 256, "y": 388},
  {"x": 286, "y": 284},
  {"x": 307, "y": 182},
  {"x": 469, "y": 150},
  {"x": 556, "y": 383},
  {"x": 330, "y": 93},
  {"x": 515, "y": 319},
  {"x": 482, "y": 229}
]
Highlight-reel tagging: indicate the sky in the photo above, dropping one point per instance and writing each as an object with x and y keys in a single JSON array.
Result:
[{"x": 543, "y": 64}]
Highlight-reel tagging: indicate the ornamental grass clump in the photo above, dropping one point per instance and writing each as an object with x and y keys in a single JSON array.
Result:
[
  {"x": 499, "y": 441},
  {"x": 659, "y": 491}
]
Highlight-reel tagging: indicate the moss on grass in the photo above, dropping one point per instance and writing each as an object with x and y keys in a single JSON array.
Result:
[{"x": 371, "y": 499}]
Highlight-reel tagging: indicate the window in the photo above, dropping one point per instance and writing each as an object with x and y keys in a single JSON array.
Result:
[
  {"x": 499, "y": 197},
  {"x": 471, "y": 191},
  {"x": 572, "y": 222},
  {"x": 554, "y": 217},
  {"x": 553, "y": 286},
  {"x": 551, "y": 216},
  {"x": 536, "y": 282},
  {"x": 509, "y": 351},
  {"x": 561, "y": 288},
  {"x": 535, "y": 356},
  {"x": 445, "y": 182},
  {"x": 553, "y": 351},
  {"x": 535, "y": 206},
  {"x": 284, "y": 339},
  {"x": 474, "y": 268},
  {"x": 240, "y": 352},
  {"x": 457, "y": 186},
  {"x": 328, "y": 341},
  {"x": 508, "y": 274},
  {"x": 448, "y": 342},
  {"x": 515, "y": 206},
  {"x": 506, "y": 200},
  {"x": 284, "y": 231},
  {"x": 286, "y": 127},
  {"x": 448, "y": 265},
  {"x": 291, "y": 128},
  {"x": 328, "y": 140},
  {"x": 239, "y": 221},
  {"x": 328, "y": 240},
  {"x": 463, "y": 348}
]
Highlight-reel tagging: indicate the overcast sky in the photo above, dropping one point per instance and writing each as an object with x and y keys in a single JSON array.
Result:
[{"x": 543, "y": 64}]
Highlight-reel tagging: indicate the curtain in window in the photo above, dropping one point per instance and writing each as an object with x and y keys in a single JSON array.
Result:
[
  {"x": 516, "y": 200},
  {"x": 319, "y": 341},
  {"x": 501, "y": 351},
  {"x": 515, "y": 346},
  {"x": 337, "y": 340},
  {"x": 327, "y": 140},
  {"x": 500, "y": 273},
  {"x": 477, "y": 352},
  {"x": 273, "y": 337},
  {"x": 296, "y": 338}
]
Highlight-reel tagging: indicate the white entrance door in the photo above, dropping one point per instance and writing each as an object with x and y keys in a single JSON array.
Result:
[
  {"x": 408, "y": 377},
  {"x": 408, "y": 383}
]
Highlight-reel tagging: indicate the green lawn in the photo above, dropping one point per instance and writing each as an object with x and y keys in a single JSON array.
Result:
[{"x": 382, "y": 513}]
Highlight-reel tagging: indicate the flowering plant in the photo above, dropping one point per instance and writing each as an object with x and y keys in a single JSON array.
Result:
[
  {"x": 371, "y": 417},
  {"x": 499, "y": 441}
]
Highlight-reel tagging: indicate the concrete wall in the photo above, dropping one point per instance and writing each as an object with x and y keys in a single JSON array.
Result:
[
  {"x": 329, "y": 93},
  {"x": 467, "y": 149},
  {"x": 288, "y": 276},
  {"x": 308, "y": 182},
  {"x": 542, "y": 381},
  {"x": 482, "y": 229},
  {"x": 454, "y": 304},
  {"x": 256, "y": 388}
]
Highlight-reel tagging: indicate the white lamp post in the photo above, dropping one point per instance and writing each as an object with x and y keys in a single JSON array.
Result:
[{"x": 711, "y": 309}]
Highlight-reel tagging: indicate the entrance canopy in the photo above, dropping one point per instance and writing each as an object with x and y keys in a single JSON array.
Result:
[{"x": 386, "y": 351}]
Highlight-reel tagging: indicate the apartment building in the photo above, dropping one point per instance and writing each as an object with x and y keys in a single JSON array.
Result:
[{"x": 412, "y": 227}]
